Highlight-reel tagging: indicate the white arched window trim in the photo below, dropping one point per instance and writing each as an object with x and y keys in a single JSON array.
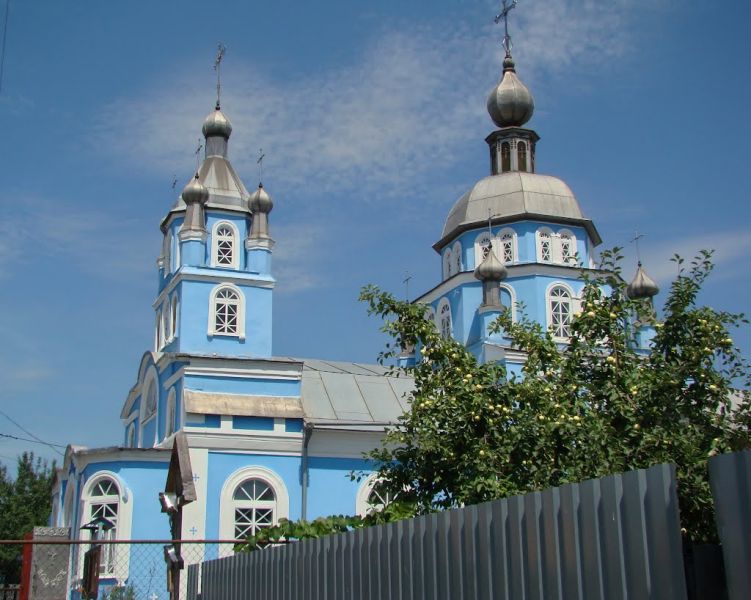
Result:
[
  {"x": 215, "y": 245},
  {"x": 173, "y": 316},
  {"x": 456, "y": 255},
  {"x": 240, "y": 311},
  {"x": 150, "y": 379},
  {"x": 226, "y": 500},
  {"x": 445, "y": 328},
  {"x": 501, "y": 250},
  {"x": 363, "y": 493},
  {"x": 512, "y": 293},
  {"x": 170, "y": 415},
  {"x": 120, "y": 558},
  {"x": 545, "y": 245},
  {"x": 447, "y": 264},
  {"x": 167, "y": 251},
  {"x": 562, "y": 236},
  {"x": 573, "y": 305}
]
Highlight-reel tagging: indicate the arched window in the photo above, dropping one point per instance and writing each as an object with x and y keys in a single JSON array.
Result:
[
  {"x": 131, "y": 435},
  {"x": 456, "y": 252},
  {"x": 521, "y": 155},
  {"x": 227, "y": 312},
  {"x": 167, "y": 320},
  {"x": 368, "y": 499},
  {"x": 482, "y": 247},
  {"x": 544, "y": 245},
  {"x": 252, "y": 498},
  {"x": 104, "y": 503},
  {"x": 560, "y": 312},
  {"x": 167, "y": 251},
  {"x": 169, "y": 425},
  {"x": 224, "y": 245},
  {"x": 567, "y": 242},
  {"x": 505, "y": 157},
  {"x": 173, "y": 316},
  {"x": 105, "y": 496},
  {"x": 447, "y": 264},
  {"x": 506, "y": 246},
  {"x": 444, "y": 319}
]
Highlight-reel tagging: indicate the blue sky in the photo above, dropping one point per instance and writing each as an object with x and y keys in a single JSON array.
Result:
[{"x": 372, "y": 116}]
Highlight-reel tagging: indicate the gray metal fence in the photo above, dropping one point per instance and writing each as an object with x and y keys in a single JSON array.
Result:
[
  {"x": 730, "y": 478},
  {"x": 616, "y": 537}
]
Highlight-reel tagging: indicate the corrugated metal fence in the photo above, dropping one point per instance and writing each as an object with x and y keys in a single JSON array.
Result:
[
  {"x": 616, "y": 537},
  {"x": 730, "y": 478}
]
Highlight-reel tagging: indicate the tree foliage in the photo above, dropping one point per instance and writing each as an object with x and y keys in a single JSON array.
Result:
[
  {"x": 594, "y": 407},
  {"x": 24, "y": 504}
]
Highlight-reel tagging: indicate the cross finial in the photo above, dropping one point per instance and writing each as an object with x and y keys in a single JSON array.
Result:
[
  {"x": 220, "y": 50},
  {"x": 490, "y": 229},
  {"x": 197, "y": 153},
  {"x": 506, "y": 8},
  {"x": 174, "y": 181},
  {"x": 635, "y": 241},
  {"x": 405, "y": 281},
  {"x": 259, "y": 162}
]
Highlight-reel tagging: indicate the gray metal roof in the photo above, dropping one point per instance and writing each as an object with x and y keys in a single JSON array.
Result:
[
  {"x": 352, "y": 393},
  {"x": 514, "y": 195}
]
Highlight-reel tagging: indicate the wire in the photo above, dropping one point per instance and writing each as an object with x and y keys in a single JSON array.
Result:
[
  {"x": 27, "y": 432},
  {"x": 21, "y": 439},
  {"x": 5, "y": 35}
]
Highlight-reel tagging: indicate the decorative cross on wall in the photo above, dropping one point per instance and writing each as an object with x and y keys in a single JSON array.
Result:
[
  {"x": 196, "y": 477},
  {"x": 193, "y": 530}
]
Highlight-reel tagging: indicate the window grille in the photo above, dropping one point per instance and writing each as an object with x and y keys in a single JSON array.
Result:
[
  {"x": 226, "y": 305},
  {"x": 255, "y": 507},
  {"x": 560, "y": 313}
]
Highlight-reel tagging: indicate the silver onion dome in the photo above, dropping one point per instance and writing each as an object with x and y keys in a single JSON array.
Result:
[
  {"x": 217, "y": 124},
  {"x": 642, "y": 285},
  {"x": 491, "y": 269},
  {"x": 195, "y": 192},
  {"x": 260, "y": 201},
  {"x": 510, "y": 104}
]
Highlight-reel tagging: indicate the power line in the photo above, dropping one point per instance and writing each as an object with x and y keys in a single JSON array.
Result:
[
  {"x": 21, "y": 439},
  {"x": 27, "y": 432},
  {"x": 5, "y": 35}
]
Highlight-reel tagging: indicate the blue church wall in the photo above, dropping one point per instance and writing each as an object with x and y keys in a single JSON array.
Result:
[
  {"x": 221, "y": 465},
  {"x": 253, "y": 423},
  {"x": 249, "y": 385},
  {"x": 193, "y": 333},
  {"x": 330, "y": 491}
]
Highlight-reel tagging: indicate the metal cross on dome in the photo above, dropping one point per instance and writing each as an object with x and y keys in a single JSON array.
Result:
[
  {"x": 259, "y": 162},
  {"x": 220, "y": 50},
  {"x": 505, "y": 10}
]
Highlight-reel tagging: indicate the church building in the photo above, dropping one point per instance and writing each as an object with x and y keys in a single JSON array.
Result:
[{"x": 273, "y": 436}]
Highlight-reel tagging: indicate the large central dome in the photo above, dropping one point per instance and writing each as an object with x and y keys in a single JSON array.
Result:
[{"x": 514, "y": 195}]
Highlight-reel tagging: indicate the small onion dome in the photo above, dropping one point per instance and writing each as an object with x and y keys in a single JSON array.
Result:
[
  {"x": 491, "y": 269},
  {"x": 195, "y": 192},
  {"x": 217, "y": 124},
  {"x": 642, "y": 286},
  {"x": 510, "y": 104},
  {"x": 260, "y": 201}
]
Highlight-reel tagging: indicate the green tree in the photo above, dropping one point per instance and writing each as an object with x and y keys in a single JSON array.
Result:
[
  {"x": 24, "y": 503},
  {"x": 594, "y": 407}
]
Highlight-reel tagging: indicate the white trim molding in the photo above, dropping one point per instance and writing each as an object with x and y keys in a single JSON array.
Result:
[
  {"x": 238, "y": 302},
  {"x": 234, "y": 247}
]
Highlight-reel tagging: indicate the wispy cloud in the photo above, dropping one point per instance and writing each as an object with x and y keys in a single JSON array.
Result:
[
  {"x": 731, "y": 249},
  {"x": 88, "y": 239},
  {"x": 298, "y": 256},
  {"x": 389, "y": 123}
]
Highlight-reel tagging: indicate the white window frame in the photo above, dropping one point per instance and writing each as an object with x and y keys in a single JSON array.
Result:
[
  {"x": 573, "y": 259},
  {"x": 120, "y": 552},
  {"x": 457, "y": 257},
  {"x": 539, "y": 239},
  {"x": 227, "y": 503},
  {"x": 130, "y": 435},
  {"x": 512, "y": 293},
  {"x": 235, "y": 262},
  {"x": 150, "y": 379},
  {"x": 167, "y": 251},
  {"x": 500, "y": 251},
  {"x": 170, "y": 414},
  {"x": 439, "y": 313},
  {"x": 167, "y": 320},
  {"x": 549, "y": 308},
  {"x": 240, "y": 333}
]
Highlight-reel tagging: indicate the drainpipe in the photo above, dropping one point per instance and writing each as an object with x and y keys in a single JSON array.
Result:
[{"x": 307, "y": 434}]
